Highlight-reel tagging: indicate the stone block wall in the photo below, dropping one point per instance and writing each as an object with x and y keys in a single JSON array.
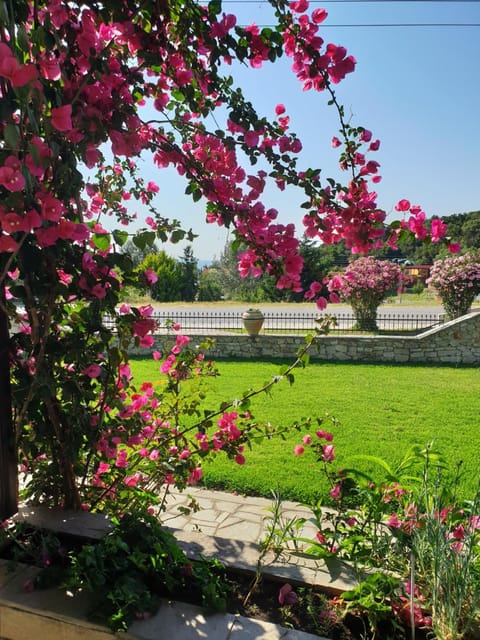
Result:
[{"x": 455, "y": 343}]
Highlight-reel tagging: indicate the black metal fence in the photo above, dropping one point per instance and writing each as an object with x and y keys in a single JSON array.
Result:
[{"x": 343, "y": 323}]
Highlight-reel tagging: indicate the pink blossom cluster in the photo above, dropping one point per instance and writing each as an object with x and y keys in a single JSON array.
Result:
[
  {"x": 302, "y": 43},
  {"x": 417, "y": 224},
  {"x": 365, "y": 277},
  {"x": 457, "y": 281},
  {"x": 107, "y": 108},
  {"x": 228, "y": 437}
]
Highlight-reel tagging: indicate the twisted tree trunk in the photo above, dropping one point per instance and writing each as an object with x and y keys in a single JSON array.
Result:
[{"x": 8, "y": 450}]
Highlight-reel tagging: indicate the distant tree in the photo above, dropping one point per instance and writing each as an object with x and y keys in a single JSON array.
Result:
[
  {"x": 209, "y": 287},
  {"x": 189, "y": 267},
  {"x": 136, "y": 254},
  {"x": 168, "y": 287},
  {"x": 417, "y": 251},
  {"x": 455, "y": 223},
  {"x": 471, "y": 231}
]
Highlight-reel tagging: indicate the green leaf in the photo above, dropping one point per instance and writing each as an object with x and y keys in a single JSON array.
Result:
[
  {"x": 12, "y": 135},
  {"x": 197, "y": 195},
  {"x": 214, "y": 7},
  {"x": 177, "y": 235},
  {"x": 272, "y": 55},
  {"x": 375, "y": 459},
  {"x": 305, "y": 359},
  {"x": 23, "y": 39},
  {"x": 101, "y": 241},
  {"x": 4, "y": 13},
  {"x": 178, "y": 95},
  {"x": 120, "y": 237},
  {"x": 144, "y": 239}
]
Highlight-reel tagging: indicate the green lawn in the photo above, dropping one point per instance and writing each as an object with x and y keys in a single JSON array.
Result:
[{"x": 382, "y": 410}]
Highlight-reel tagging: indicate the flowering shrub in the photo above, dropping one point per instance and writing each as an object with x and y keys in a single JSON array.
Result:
[
  {"x": 86, "y": 90},
  {"x": 457, "y": 281},
  {"x": 365, "y": 284},
  {"x": 410, "y": 530}
]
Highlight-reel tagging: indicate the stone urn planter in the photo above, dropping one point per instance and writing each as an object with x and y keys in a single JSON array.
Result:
[{"x": 253, "y": 321}]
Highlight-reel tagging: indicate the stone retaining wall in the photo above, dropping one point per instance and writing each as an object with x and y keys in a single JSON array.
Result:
[{"x": 456, "y": 343}]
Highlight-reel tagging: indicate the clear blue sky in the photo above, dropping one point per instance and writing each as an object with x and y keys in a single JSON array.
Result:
[{"x": 417, "y": 88}]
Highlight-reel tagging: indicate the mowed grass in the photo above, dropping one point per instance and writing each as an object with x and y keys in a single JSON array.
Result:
[{"x": 382, "y": 410}]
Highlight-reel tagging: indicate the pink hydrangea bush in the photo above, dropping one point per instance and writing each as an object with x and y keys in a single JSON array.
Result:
[
  {"x": 365, "y": 284},
  {"x": 457, "y": 281}
]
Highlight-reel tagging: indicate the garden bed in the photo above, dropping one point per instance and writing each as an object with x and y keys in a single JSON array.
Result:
[{"x": 246, "y": 593}]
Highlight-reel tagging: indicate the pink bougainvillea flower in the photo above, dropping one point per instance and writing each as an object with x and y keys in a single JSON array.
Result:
[
  {"x": 336, "y": 492},
  {"x": 335, "y": 142},
  {"x": 181, "y": 340},
  {"x": 321, "y": 303},
  {"x": 98, "y": 291},
  {"x": 240, "y": 459},
  {"x": 125, "y": 308},
  {"x": 299, "y": 6},
  {"x": 146, "y": 310},
  {"x": 328, "y": 452},
  {"x": 121, "y": 461},
  {"x": 152, "y": 187},
  {"x": 320, "y": 537},
  {"x": 313, "y": 290},
  {"x": 195, "y": 475},
  {"x": 93, "y": 371},
  {"x": 12, "y": 222},
  {"x": 151, "y": 223},
  {"x": 51, "y": 208},
  {"x": 146, "y": 341},
  {"x": 62, "y": 118},
  {"x": 168, "y": 364},
  {"x": 10, "y": 68},
  {"x": 319, "y": 15},
  {"x": 438, "y": 229},
  {"x": 454, "y": 247},
  {"x": 402, "y": 205},
  {"x": 8, "y": 244},
  {"x": 25, "y": 74},
  {"x": 50, "y": 68},
  {"x": 150, "y": 277},
  {"x": 64, "y": 278},
  {"x": 133, "y": 480},
  {"x": 286, "y": 595},
  {"x": 251, "y": 138},
  {"x": 11, "y": 176}
]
